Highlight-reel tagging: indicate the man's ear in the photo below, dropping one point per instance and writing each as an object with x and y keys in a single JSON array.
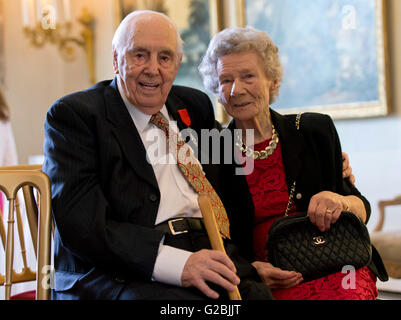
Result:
[
  {"x": 179, "y": 60},
  {"x": 115, "y": 61}
]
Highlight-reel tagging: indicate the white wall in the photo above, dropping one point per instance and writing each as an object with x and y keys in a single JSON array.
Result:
[
  {"x": 37, "y": 77},
  {"x": 374, "y": 147}
]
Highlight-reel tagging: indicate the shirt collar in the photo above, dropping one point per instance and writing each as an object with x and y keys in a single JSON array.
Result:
[{"x": 141, "y": 120}]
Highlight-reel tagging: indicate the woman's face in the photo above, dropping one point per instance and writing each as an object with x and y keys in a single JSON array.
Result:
[{"x": 244, "y": 89}]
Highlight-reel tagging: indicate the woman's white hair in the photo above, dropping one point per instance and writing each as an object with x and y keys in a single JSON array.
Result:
[
  {"x": 123, "y": 36},
  {"x": 237, "y": 40}
]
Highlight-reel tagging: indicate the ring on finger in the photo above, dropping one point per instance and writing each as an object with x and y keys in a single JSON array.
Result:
[{"x": 328, "y": 211}]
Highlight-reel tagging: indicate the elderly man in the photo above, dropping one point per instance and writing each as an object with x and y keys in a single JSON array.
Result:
[{"x": 116, "y": 210}]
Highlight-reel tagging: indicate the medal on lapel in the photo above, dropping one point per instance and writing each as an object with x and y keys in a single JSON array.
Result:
[{"x": 185, "y": 116}]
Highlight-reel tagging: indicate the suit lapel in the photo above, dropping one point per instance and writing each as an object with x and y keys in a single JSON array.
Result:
[
  {"x": 127, "y": 134},
  {"x": 179, "y": 112},
  {"x": 175, "y": 106},
  {"x": 292, "y": 145}
]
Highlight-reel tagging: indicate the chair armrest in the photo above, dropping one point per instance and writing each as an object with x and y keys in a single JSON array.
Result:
[{"x": 382, "y": 205}]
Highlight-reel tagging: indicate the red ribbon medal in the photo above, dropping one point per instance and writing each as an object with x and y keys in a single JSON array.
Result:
[{"x": 185, "y": 116}]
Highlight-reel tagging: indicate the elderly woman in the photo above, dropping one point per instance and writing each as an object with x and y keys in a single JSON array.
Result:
[{"x": 242, "y": 67}]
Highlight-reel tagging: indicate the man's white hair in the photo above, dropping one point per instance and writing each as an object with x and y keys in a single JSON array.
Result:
[{"x": 122, "y": 36}]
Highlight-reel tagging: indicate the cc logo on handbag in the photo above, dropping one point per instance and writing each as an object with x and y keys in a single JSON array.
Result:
[{"x": 318, "y": 241}]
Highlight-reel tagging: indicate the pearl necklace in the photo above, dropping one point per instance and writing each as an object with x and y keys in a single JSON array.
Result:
[{"x": 260, "y": 155}]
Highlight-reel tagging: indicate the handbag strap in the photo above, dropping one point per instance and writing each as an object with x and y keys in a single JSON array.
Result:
[
  {"x": 292, "y": 190},
  {"x": 298, "y": 121},
  {"x": 290, "y": 198}
]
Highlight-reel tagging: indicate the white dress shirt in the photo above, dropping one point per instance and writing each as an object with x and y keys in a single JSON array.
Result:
[{"x": 178, "y": 198}]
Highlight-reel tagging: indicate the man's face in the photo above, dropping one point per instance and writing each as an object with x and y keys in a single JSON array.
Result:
[{"x": 149, "y": 63}]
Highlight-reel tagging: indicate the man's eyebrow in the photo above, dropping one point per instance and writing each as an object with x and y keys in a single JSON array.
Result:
[
  {"x": 134, "y": 49},
  {"x": 167, "y": 51},
  {"x": 162, "y": 50}
]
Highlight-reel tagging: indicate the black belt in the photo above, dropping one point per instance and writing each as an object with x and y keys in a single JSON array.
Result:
[{"x": 181, "y": 225}]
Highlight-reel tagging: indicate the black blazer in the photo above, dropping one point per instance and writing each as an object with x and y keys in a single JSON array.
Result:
[
  {"x": 312, "y": 157},
  {"x": 105, "y": 195}
]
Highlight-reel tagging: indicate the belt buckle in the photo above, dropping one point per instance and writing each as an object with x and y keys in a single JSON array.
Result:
[{"x": 173, "y": 232}]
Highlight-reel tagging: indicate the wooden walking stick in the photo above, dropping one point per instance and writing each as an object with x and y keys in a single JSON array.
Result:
[{"x": 214, "y": 234}]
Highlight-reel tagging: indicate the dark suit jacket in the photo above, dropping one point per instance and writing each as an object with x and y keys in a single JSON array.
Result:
[
  {"x": 105, "y": 195},
  {"x": 312, "y": 157}
]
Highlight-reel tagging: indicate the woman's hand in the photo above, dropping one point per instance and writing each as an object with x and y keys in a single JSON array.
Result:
[
  {"x": 275, "y": 278},
  {"x": 325, "y": 209},
  {"x": 347, "y": 169}
]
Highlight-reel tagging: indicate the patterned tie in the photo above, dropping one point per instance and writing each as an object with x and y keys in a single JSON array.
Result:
[{"x": 193, "y": 172}]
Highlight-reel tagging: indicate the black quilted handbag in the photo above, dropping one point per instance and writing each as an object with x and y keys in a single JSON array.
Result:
[{"x": 295, "y": 244}]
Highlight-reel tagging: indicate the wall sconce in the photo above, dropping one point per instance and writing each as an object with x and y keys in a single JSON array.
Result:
[{"x": 43, "y": 23}]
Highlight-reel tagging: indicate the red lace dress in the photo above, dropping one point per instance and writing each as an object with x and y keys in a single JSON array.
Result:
[{"x": 269, "y": 191}]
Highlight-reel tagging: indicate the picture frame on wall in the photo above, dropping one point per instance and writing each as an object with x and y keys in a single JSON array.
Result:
[
  {"x": 334, "y": 54},
  {"x": 197, "y": 22}
]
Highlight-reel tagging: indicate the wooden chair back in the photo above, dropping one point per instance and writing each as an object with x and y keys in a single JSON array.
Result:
[
  {"x": 38, "y": 211},
  {"x": 388, "y": 242}
]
